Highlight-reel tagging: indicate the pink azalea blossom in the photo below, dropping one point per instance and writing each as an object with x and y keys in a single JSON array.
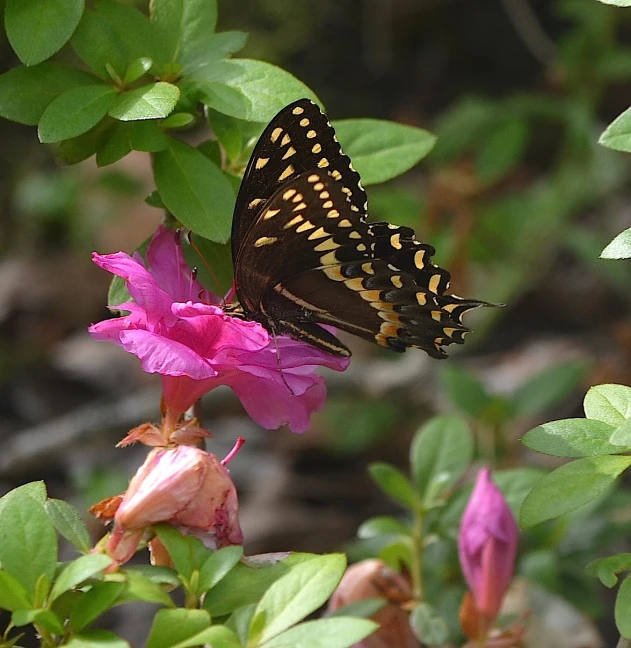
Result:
[
  {"x": 487, "y": 548},
  {"x": 183, "y": 486},
  {"x": 177, "y": 330}
]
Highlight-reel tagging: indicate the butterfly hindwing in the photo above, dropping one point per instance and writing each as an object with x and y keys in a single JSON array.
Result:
[{"x": 298, "y": 139}]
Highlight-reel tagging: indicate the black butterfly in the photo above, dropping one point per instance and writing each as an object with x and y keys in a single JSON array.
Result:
[{"x": 304, "y": 254}]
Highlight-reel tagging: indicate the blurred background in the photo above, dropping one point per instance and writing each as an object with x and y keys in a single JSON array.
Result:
[{"x": 517, "y": 197}]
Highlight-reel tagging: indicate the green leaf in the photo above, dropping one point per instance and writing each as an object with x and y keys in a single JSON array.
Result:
[
  {"x": 381, "y": 525},
  {"x": 245, "y": 584},
  {"x": 548, "y": 388},
  {"x": 247, "y": 89},
  {"x": 502, "y": 150},
  {"x": 80, "y": 148},
  {"x": 68, "y": 523},
  {"x": 618, "y": 134},
  {"x": 621, "y": 437},
  {"x": 619, "y": 248},
  {"x": 381, "y": 150},
  {"x": 12, "y": 595},
  {"x": 136, "y": 69},
  {"x": 183, "y": 24},
  {"x": 188, "y": 553},
  {"x": 28, "y": 542},
  {"x": 115, "y": 147},
  {"x": 38, "y": 28},
  {"x": 394, "y": 483},
  {"x": 212, "y": 260},
  {"x": 178, "y": 120},
  {"x": 622, "y": 607},
  {"x": 227, "y": 131},
  {"x": 217, "y": 566},
  {"x": 173, "y": 626},
  {"x": 97, "y": 43},
  {"x": 617, "y": 3},
  {"x": 74, "y": 112},
  {"x": 334, "y": 632},
  {"x": 141, "y": 587},
  {"x": 440, "y": 453},
  {"x": 427, "y": 626},
  {"x": 147, "y": 136},
  {"x": 209, "y": 50},
  {"x": 464, "y": 389},
  {"x": 96, "y": 639},
  {"x": 152, "y": 101},
  {"x": 610, "y": 404},
  {"x": 26, "y": 91},
  {"x": 78, "y": 571},
  {"x": 35, "y": 490},
  {"x": 95, "y": 602},
  {"x": 195, "y": 191},
  {"x": 571, "y": 438},
  {"x": 299, "y": 593},
  {"x": 571, "y": 486},
  {"x": 607, "y": 569},
  {"x": 216, "y": 636},
  {"x": 44, "y": 618},
  {"x": 363, "y": 608}
]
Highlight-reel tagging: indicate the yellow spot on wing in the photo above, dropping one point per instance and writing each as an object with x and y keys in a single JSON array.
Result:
[
  {"x": 307, "y": 225},
  {"x": 395, "y": 242},
  {"x": 311, "y": 134},
  {"x": 396, "y": 281},
  {"x": 329, "y": 244},
  {"x": 367, "y": 268},
  {"x": 265, "y": 240},
  {"x": 290, "y": 151},
  {"x": 336, "y": 174},
  {"x": 355, "y": 284},
  {"x": 328, "y": 204},
  {"x": 289, "y": 193},
  {"x": 316, "y": 148},
  {"x": 328, "y": 259},
  {"x": 333, "y": 214},
  {"x": 323, "y": 163},
  {"x": 314, "y": 177},
  {"x": 286, "y": 139},
  {"x": 418, "y": 259},
  {"x": 344, "y": 223},
  {"x": 270, "y": 213},
  {"x": 421, "y": 298},
  {"x": 300, "y": 207},
  {"x": 298, "y": 110},
  {"x": 319, "y": 233},
  {"x": 276, "y": 133},
  {"x": 294, "y": 221},
  {"x": 318, "y": 187},
  {"x": 286, "y": 173},
  {"x": 434, "y": 282},
  {"x": 255, "y": 202},
  {"x": 261, "y": 162},
  {"x": 304, "y": 122}
]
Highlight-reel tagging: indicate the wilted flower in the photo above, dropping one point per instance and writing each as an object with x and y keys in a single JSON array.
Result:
[
  {"x": 177, "y": 330},
  {"x": 183, "y": 486},
  {"x": 487, "y": 548},
  {"x": 373, "y": 578}
]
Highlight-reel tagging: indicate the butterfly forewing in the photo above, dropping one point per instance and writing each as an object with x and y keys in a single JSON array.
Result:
[{"x": 298, "y": 139}]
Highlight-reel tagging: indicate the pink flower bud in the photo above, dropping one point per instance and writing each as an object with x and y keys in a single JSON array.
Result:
[
  {"x": 185, "y": 487},
  {"x": 373, "y": 578},
  {"x": 487, "y": 548}
]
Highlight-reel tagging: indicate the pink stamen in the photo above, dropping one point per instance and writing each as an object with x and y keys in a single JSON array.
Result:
[{"x": 228, "y": 458}]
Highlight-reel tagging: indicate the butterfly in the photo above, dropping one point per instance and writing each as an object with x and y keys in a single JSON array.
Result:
[{"x": 305, "y": 255}]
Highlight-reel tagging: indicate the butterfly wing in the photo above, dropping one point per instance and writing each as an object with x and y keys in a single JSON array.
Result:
[
  {"x": 298, "y": 139},
  {"x": 310, "y": 259}
]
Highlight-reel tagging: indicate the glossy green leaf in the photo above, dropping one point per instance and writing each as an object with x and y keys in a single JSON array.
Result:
[
  {"x": 74, "y": 112},
  {"x": 173, "y": 626},
  {"x": 572, "y": 438},
  {"x": 178, "y": 120},
  {"x": 78, "y": 571},
  {"x": 440, "y": 453},
  {"x": 82, "y": 147},
  {"x": 152, "y": 101},
  {"x": 299, "y": 593},
  {"x": 195, "y": 191},
  {"x": 608, "y": 403},
  {"x": 12, "y": 595},
  {"x": 394, "y": 483},
  {"x": 183, "y": 24},
  {"x": 44, "y": 618},
  {"x": 619, "y": 248},
  {"x": 68, "y": 523},
  {"x": 621, "y": 437},
  {"x": 136, "y": 69},
  {"x": 571, "y": 486},
  {"x": 382, "y": 150},
  {"x": 216, "y": 636},
  {"x": 207, "y": 51},
  {"x": 363, "y": 608},
  {"x": 248, "y": 89},
  {"x": 38, "y": 28},
  {"x": 227, "y": 131},
  {"x": 245, "y": 584},
  {"x": 115, "y": 147},
  {"x": 334, "y": 632},
  {"x": 141, "y": 587},
  {"x": 95, "y": 602},
  {"x": 26, "y": 91},
  {"x": 428, "y": 626},
  {"x": 618, "y": 134},
  {"x": 35, "y": 490},
  {"x": 217, "y": 565},
  {"x": 622, "y": 607},
  {"x": 96, "y": 639},
  {"x": 28, "y": 542},
  {"x": 188, "y": 553},
  {"x": 381, "y": 525},
  {"x": 147, "y": 136}
]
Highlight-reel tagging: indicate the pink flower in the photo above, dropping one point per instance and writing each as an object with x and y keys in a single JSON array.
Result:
[
  {"x": 183, "y": 486},
  {"x": 177, "y": 330},
  {"x": 371, "y": 579},
  {"x": 487, "y": 548}
]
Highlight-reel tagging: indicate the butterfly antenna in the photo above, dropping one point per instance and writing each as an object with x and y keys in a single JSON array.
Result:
[{"x": 206, "y": 264}]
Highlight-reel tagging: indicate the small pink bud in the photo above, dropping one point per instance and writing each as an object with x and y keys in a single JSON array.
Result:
[
  {"x": 487, "y": 548},
  {"x": 373, "y": 578},
  {"x": 185, "y": 487}
]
